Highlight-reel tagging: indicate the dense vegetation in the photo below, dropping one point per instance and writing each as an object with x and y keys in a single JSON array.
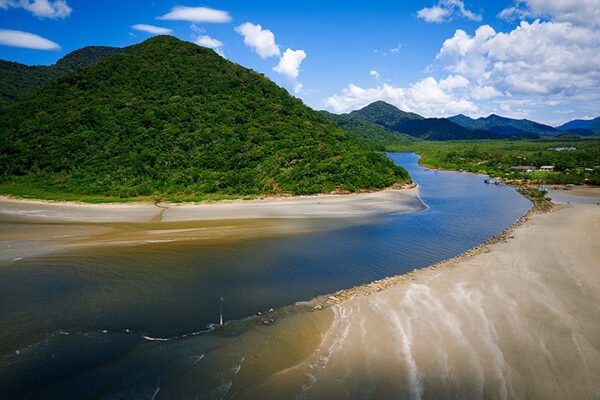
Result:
[
  {"x": 504, "y": 126},
  {"x": 376, "y": 136},
  {"x": 393, "y": 119},
  {"x": 167, "y": 117},
  {"x": 18, "y": 80},
  {"x": 496, "y": 157}
]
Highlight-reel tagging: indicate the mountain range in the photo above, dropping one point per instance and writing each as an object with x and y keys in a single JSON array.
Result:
[
  {"x": 460, "y": 127},
  {"x": 168, "y": 117},
  {"x": 592, "y": 125}
]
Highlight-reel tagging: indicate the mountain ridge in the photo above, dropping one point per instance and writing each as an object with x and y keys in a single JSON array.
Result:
[
  {"x": 503, "y": 125},
  {"x": 393, "y": 119},
  {"x": 592, "y": 125},
  {"x": 17, "y": 80}
]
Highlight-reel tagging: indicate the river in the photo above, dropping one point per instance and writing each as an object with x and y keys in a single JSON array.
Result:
[{"x": 135, "y": 321}]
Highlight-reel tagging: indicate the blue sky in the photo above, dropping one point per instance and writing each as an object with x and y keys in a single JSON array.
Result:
[{"x": 533, "y": 59}]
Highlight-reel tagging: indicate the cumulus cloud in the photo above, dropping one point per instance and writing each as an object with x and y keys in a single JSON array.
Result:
[
  {"x": 26, "y": 40},
  {"x": 427, "y": 97},
  {"x": 375, "y": 74},
  {"x": 550, "y": 58},
  {"x": 40, "y": 8},
  {"x": 262, "y": 41},
  {"x": 538, "y": 58},
  {"x": 207, "y": 41},
  {"x": 444, "y": 10},
  {"x": 578, "y": 12},
  {"x": 196, "y": 14},
  {"x": 155, "y": 30},
  {"x": 454, "y": 82},
  {"x": 289, "y": 63}
]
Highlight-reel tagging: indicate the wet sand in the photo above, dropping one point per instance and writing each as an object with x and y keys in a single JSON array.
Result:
[
  {"x": 31, "y": 228},
  {"x": 590, "y": 192},
  {"x": 388, "y": 201},
  {"x": 519, "y": 319}
]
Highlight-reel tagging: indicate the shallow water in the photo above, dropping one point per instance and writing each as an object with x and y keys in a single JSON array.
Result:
[{"x": 127, "y": 321}]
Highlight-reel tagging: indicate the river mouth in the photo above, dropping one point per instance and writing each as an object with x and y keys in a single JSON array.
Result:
[{"x": 140, "y": 311}]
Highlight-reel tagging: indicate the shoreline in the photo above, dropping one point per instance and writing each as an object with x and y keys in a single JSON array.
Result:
[
  {"x": 387, "y": 201},
  {"x": 510, "y": 318},
  {"x": 235, "y": 198},
  {"x": 367, "y": 289}
]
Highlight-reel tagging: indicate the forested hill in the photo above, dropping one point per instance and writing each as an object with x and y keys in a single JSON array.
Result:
[
  {"x": 17, "y": 80},
  {"x": 170, "y": 117}
]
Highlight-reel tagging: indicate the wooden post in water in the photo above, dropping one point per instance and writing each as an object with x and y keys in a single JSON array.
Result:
[{"x": 221, "y": 315}]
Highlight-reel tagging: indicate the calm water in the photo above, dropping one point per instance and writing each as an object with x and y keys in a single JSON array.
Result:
[{"x": 73, "y": 323}]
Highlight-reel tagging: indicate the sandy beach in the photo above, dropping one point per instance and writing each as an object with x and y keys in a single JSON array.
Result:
[
  {"x": 519, "y": 319},
  {"x": 388, "y": 201},
  {"x": 33, "y": 227}
]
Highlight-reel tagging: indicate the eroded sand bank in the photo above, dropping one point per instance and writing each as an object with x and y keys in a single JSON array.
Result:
[
  {"x": 321, "y": 206},
  {"x": 37, "y": 227},
  {"x": 521, "y": 319}
]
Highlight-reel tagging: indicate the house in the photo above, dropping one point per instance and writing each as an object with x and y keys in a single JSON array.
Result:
[
  {"x": 547, "y": 168},
  {"x": 562, "y": 148},
  {"x": 522, "y": 168}
]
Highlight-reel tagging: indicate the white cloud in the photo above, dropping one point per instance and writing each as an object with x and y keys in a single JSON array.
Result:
[
  {"x": 262, "y": 41},
  {"x": 454, "y": 82},
  {"x": 484, "y": 93},
  {"x": 539, "y": 58},
  {"x": 298, "y": 87},
  {"x": 26, "y": 40},
  {"x": 207, "y": 41},
  {"x": 433, "y": 14},
  {"x": 197, "y": 14},
  {"x": 40, "y": 8},
  {"x": 444, "y": 10},
  {"x": 197, "y": 28},
  {"x": 578, "y": 12},
  {"x": 155, "y": 30},
  {"x": 396, "y": 49},
  {"x": 289, "y": 63},
  {"x": 375, "y": 74},
  {"x": 426, "y": 97}
]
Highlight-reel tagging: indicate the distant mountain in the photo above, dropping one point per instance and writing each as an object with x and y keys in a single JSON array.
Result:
[
  {"x": 373, "y": 133},
  {"x": 167, "y": 117},
  {"x": 394, "y": 119},
  {"x": 384, "y": 114},
  {"x": 592, "y": 125},
  {"x": 17, "y": 80},
  {"x": 504, "y": 126}
]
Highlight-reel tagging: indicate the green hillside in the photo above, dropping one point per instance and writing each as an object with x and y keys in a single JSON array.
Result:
[
  {"x": 376, "y": 136},
  {"x": 167, "y": 117},
  {"x": 17, "y": 80}
]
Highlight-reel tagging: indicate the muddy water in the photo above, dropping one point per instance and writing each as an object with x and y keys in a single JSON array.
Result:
[{"x": 134, "y": 321}]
